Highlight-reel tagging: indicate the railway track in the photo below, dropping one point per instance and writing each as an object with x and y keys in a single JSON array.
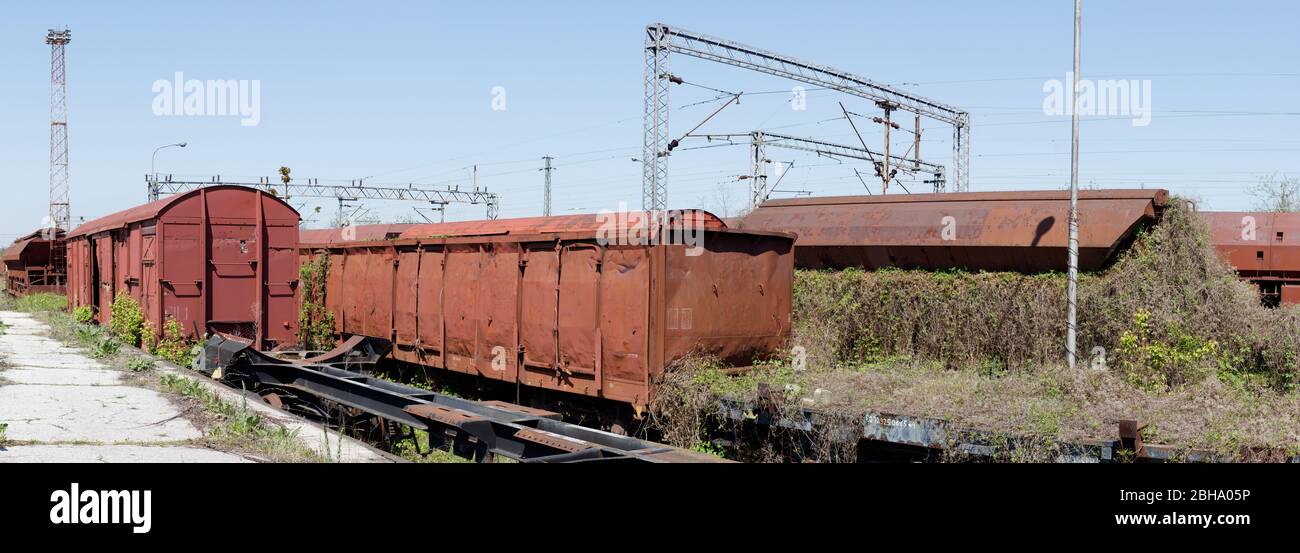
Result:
[
  {"x": 890, "y": 437},
  {"x": 477, "y": 430}
]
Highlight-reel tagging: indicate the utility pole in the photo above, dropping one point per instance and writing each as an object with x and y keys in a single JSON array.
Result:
[
  {"x": 916, "y": 144},
  {"x": 1073, "y": 283},
  {"x": 887, "y": 174},
  {"x": 758, "y": 190},
  {"x": 546, "y": 196},
  {"x": 60, "y": 207}
]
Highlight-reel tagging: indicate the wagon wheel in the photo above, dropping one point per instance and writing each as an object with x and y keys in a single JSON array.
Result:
[{"x": 620, "y": 422}]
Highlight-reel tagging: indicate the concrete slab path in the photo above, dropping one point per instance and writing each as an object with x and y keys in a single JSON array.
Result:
[{"x": 63, "y": 406}]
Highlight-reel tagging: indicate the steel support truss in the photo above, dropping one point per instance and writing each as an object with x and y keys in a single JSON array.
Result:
[
  {"x": 760, "y": 141},
  {"x": 662, "y": 40},
  {"x": 311, "y": 188}
]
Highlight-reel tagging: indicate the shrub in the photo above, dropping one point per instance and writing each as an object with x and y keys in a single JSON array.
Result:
[
  {"x": 315, "y": 321},
  {"x": 126, "y": 319},
  {"x": 173, "y": 346},
  {"x": 148, "y": 337},
  {"x": 83, "y": 314},
  {"x": 1156, "y": 365}
]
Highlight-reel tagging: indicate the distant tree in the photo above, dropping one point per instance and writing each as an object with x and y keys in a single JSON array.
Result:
[
  {"x": 720, "y": 202},
  {"x": 284, "y": 178},
  {"x": 1279, "y": 193},
  {"x": 408, "y": 219}
]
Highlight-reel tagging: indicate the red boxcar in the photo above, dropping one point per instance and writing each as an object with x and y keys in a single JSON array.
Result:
[
  {"x": 36, "y": 263},
  {"x": 543, "y": 302},
  {"x": 216, "y": 259}
]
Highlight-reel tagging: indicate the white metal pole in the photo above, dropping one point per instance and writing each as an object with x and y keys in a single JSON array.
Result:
[{"x": 1073, "y": 284}]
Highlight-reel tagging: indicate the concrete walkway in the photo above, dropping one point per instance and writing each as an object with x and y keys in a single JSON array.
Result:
[{"x": 65, "y": 406}]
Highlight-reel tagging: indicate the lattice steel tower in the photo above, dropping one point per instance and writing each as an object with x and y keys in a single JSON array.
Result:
[
  {"x": 60, "y": 212},
  {"x": 654, "y": 147},
  {"x": 662, "y": 40}
]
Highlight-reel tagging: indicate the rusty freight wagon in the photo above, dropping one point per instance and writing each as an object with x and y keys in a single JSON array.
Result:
[
  {"x": 552, "y": 303},
  {"x": 216, "y": 259},
  {"x": 356, "y": 233},
  {"x": 36, "y": 263},
  {"x": 993, "y": 231},
  {"x": 1263, "y": 247},
  {"x": 310, "y": 240}
]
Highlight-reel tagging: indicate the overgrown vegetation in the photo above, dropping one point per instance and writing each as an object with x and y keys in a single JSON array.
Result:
[
  {"x": 105, "y": 346},
  {"x": 141, "y": 364},
  {"x": 1167, "y": 335},
  {"x": 173, "y": 346},
  {"x": 1169, "y": 291},
  {"x": 240, "y": 426},
  {"x": 315, "y": 321},
  {"x": 126, "y": 319},
  {"x": 416, "y": 448},
  {"x": 83, "y": 314},
  {"x": 44, "y": 302}
]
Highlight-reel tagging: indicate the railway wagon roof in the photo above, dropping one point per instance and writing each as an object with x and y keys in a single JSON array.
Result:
[{"x": 154, "y": 209}]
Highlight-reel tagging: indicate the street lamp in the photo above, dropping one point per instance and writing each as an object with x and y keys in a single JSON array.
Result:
[{"x": 153, "y": 185}]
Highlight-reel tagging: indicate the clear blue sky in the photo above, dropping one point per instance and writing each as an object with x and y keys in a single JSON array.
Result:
[{"x": 402, "y": 91}]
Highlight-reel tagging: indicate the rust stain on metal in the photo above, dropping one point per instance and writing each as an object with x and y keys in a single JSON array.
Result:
[
  {"x": 995, "y": 231},
  {"x": 552, "y": 440},
  {"x": 554, "y": 224},
  {"x": 356, "y": 233},
  {"x": 450, "y": 417},
  {"x": 522, "y": 410}
]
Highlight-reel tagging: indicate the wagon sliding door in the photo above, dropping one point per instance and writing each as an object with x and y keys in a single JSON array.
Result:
[
  {"x": 149, "y": 269},
  {"x": 367, "y": 286},
  {"x": 182, "y": 275},
  {"x": 560, "y": 331},
  {"x": 430, "y": 322},
  {"x": 101, "y": 275},
  {"x": 498, "y": 324},
  {"x": 481, "y": 309}
]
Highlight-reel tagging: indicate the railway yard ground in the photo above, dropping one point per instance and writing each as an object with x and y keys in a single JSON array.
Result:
[
  {"x": 1170, "y": 339},
  {"x": 69, "y": 393},
  {"x": 1175, "y": 346}
]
